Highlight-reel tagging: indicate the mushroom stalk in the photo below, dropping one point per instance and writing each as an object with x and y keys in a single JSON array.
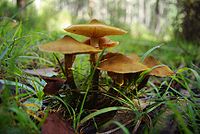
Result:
[
  {"x": 68, "y": 61},
  {"x": 93, "y": 58}
]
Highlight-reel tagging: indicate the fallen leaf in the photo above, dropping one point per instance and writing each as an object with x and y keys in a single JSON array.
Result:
[
  {"x": 55, "y": 125},
  {"x": 48, "y": 72}
]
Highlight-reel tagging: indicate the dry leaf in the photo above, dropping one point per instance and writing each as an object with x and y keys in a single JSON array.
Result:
[
  {"x": 49, "y": 72},
  {"x": 55, "y": 125},
  {"x": 53, "y": 85}
]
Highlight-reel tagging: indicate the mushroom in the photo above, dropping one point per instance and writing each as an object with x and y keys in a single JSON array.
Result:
[
  {"x": 134, "y": 57},
  {"x": 151, "y": 62},
  {"x": 69, "y": 47},
  {"x": 94, "y": 30},
  {"x": 104, "y": 43},
  {"x": 117, "y": 65},
  {"x": 160, "y": 71}
]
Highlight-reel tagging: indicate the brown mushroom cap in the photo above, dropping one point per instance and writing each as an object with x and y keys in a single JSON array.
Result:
[
  {"x": 119, "y": 63},
  {"x": 134, "y": 57},
  {"x": 160, "y": 71},
  {"x": 68, "y": 45},
  {"x": 94, "y": 29},
  {"x": 104, "y": 42}
]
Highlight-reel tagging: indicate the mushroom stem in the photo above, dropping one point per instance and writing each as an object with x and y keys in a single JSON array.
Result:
[
  {"x": 95, "y": 43},
  {"x": 93, "y": 58},
  {"x": 143, "y": 83},
  {"x": 68, "y": 60}
]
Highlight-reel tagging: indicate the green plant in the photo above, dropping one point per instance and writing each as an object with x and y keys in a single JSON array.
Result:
[
  {"x": 21, "y": 95},
  {"x": 14, "y": 118}
]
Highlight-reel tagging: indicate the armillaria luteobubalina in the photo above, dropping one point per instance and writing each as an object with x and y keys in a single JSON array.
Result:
[{"x": 121, "y": 68}]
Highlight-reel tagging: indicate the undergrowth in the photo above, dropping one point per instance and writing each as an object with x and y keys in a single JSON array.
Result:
[{"x": 161, "y": 104}]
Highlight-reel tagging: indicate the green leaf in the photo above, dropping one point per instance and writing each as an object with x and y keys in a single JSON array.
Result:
[
  {"x": 4, "y": 53},
  {"x": 196, "y": 75},
  {"x": 181, "y": 70},
  {"x": 18, "y": 31},
  {"x": 39, "y": 58},
  {"x": 102, "y": 111},
  {"x": 120, "y": 125},
  {"x": 19, "y": 85},
  {"x": 149, "y": 51}
]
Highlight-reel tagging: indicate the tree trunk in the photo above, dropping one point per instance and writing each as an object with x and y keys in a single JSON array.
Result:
[
  {"x": 91, "y": 7},
  {"x": 141, "y": 11},
  {"x": 21, "y": 7},
  {"x": 21, "y": 4}
]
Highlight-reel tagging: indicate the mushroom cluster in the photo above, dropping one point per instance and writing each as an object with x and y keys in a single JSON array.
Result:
[
  {"x": 121, "y": 68},
  {"x": 96, "y": 31}
]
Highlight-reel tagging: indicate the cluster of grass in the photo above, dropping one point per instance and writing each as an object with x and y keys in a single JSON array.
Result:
[{"x": 22, "y": 98}]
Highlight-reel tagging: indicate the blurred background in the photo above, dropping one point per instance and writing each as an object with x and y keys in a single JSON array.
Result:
[{"x": 149, "y": 22}]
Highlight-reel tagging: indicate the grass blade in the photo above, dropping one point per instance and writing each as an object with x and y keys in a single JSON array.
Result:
[
  {"x": 149, "y": 51},
  {"x": 4, "y": 53},
  {"x": 60, "y": 64},
  {"x": 101, "y": 111},
  {"x": 19, "y": 85},
  {"x": 39, "y": 58}
]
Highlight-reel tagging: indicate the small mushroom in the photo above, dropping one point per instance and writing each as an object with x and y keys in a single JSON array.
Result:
[
  {"x": 104, "y": 43},
  {"x": 117, "y": 65},
  {"x": 69, "y": 47}
]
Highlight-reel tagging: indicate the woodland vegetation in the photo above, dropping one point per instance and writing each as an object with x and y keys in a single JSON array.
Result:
[{"x": 99, "y": 66}]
